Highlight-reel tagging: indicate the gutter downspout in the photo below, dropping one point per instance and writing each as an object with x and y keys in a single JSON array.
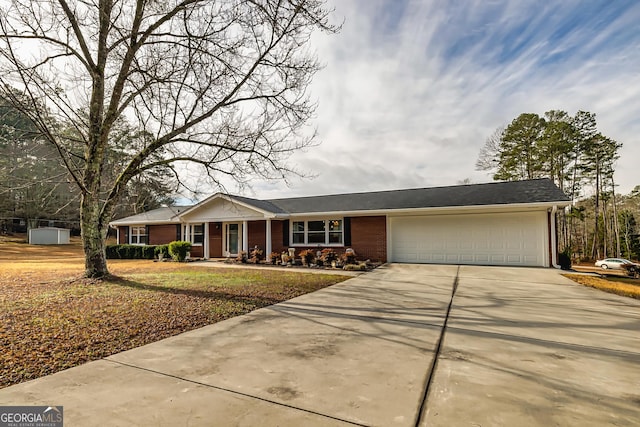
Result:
[{"x": 554, "y": 243}]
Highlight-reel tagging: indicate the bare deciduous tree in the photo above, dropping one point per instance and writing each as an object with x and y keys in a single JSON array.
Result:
[
  {"x": 217, "y": 83},
  {"x": 489, "y": 157}
]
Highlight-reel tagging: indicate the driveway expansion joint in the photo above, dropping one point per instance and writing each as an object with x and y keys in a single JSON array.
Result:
[
  {"x": 436, "y": 355},
  {"x": 250, "y": 396}
]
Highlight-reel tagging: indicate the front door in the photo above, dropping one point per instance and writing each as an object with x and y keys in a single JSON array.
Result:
[{"x": 232, "y": 239}]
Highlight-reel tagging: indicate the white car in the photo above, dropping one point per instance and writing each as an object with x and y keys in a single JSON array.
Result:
[{"x": 612, "y": 263}]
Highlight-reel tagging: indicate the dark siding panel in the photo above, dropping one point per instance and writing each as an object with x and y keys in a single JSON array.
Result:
[
  {"x": 285, "y": 233},
  {"x": 347, "y": 231}
]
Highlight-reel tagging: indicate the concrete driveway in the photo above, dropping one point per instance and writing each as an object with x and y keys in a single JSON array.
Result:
[{"x": 520, "y": 347}]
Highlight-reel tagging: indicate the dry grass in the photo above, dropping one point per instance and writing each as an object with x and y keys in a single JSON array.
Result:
[
  {"x": 52, "y": 319},
  {"x": 616, "y": 285}
]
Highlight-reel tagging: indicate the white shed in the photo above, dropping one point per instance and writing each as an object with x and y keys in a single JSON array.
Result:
[{"x": 48, "y": 236}]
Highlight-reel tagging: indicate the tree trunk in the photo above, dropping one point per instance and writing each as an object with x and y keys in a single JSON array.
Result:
[
  {"x": 616, "y": 224},
  {"x": 595, "y": 248},
  {"x": 605, "y": 228},
  {"x": 94, "y": 234}
]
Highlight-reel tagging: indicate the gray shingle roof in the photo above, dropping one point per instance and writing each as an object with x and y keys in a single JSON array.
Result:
[
  {"x": 495, "y": 193},
  {"x": 265, "y": 205}
]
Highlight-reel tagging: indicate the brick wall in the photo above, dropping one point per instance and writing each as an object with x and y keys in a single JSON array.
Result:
[
  {"x": 162, "y": 234},
  {"x": 369, "y": 237},
  {"x": 276, "y": 237},
  {"x": 258, "y": 235},
  {"x": 122, "y": 238}
]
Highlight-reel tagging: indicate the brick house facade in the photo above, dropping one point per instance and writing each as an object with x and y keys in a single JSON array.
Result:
[{"x": 509, "y": 223}]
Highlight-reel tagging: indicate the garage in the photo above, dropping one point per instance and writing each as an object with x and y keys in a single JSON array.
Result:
[{"x": 514, "y": 238}]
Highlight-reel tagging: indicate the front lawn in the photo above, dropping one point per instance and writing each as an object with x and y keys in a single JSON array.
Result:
[
  {"x": 50, "y": 319},
  {"x": 613, "y": 284}
]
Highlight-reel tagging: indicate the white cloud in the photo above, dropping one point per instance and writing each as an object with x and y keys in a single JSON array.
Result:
[{"x": 411, "y": 90}]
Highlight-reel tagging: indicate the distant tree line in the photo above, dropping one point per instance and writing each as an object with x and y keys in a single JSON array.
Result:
[
  {"x": 577, "y": 157},
  {"x": 36, "y": 188}
]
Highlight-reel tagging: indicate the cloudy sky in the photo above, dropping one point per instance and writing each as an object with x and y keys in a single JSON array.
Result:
[{"x": 412, "y": 89}]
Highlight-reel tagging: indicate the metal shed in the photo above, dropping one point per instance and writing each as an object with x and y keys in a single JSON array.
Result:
[{"x": 49, "y": 236}]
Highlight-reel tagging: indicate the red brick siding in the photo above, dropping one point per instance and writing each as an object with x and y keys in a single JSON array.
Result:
[
  {"x": 162, "y": 234},
  {"x": 257, "y": 234},
  {"x": 122, "y": 238},
  {"x": 215, "y": 239},
  {"x": 369, "y": 237},
  {"x": 197, "y": 251},
  {"x": 276, "y": 237}
]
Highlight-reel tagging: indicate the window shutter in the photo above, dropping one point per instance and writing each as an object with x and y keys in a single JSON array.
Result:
[
  {"x": 285, "y": 233},
  {"x": 178, "y": 227},
  {"x": 146, "y": 231},
  {"x": 126, "y": 235},
  {"x": 347, "y": 231}
]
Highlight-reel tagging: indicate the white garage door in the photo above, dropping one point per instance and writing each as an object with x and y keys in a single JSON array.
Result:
[{"x": 485, "y": 239}]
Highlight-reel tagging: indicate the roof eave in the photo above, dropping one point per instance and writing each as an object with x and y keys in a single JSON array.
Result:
[
  {"x": 228, "y": 198},
  {"x": 444, "y": 209},
  {"x": 145, "y": 222}
]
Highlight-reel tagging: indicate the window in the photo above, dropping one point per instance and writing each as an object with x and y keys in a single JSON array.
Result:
[
  {"x": 196, "y": 236},
  {"x": 317, "y": 232},
  {"x": 335, "y": 231},
  {"x": 298, "y": 233},
  {"x": 138, "y": 235}
]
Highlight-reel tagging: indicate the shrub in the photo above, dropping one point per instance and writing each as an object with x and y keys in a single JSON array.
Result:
[
  {"x": 179, "y": 249},
  {"x": 564, "y": 259},
  {"x": 255, "y": 255},
  {"x": 328, "y": 255},
  {"x": 349, "y": 256},
  {"x": 308, "y": 256},
  {"x": 632, "y": 270},
  {"x": 242, "y": 257},
  {"x": 162, "y": 250},
  {"x": 112, "y": 251},
  {"x": 355, "y": 267},
  {"x": 275, "y": 258},
  {"x": 130, "y": 251}
]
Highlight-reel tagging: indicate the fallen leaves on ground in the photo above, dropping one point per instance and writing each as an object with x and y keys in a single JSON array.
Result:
[
  {"x": 618, "y": 285},
  {"x": 51, "y": 319}
]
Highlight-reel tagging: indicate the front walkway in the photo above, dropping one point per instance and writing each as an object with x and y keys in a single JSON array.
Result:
[{"x": 522, "y": 347}]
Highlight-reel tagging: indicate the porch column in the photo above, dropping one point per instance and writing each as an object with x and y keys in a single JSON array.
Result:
[
  {"x": 245, "y": 237},
  {"x": 117, "y": 235},
  {"x": 205, "y": 241},
  {"x": 187, "y": 232},
  {"x": 267, "y": 249}
]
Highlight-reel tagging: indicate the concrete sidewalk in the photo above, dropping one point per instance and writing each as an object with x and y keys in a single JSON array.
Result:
[{"x": 522, "y": 347}]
